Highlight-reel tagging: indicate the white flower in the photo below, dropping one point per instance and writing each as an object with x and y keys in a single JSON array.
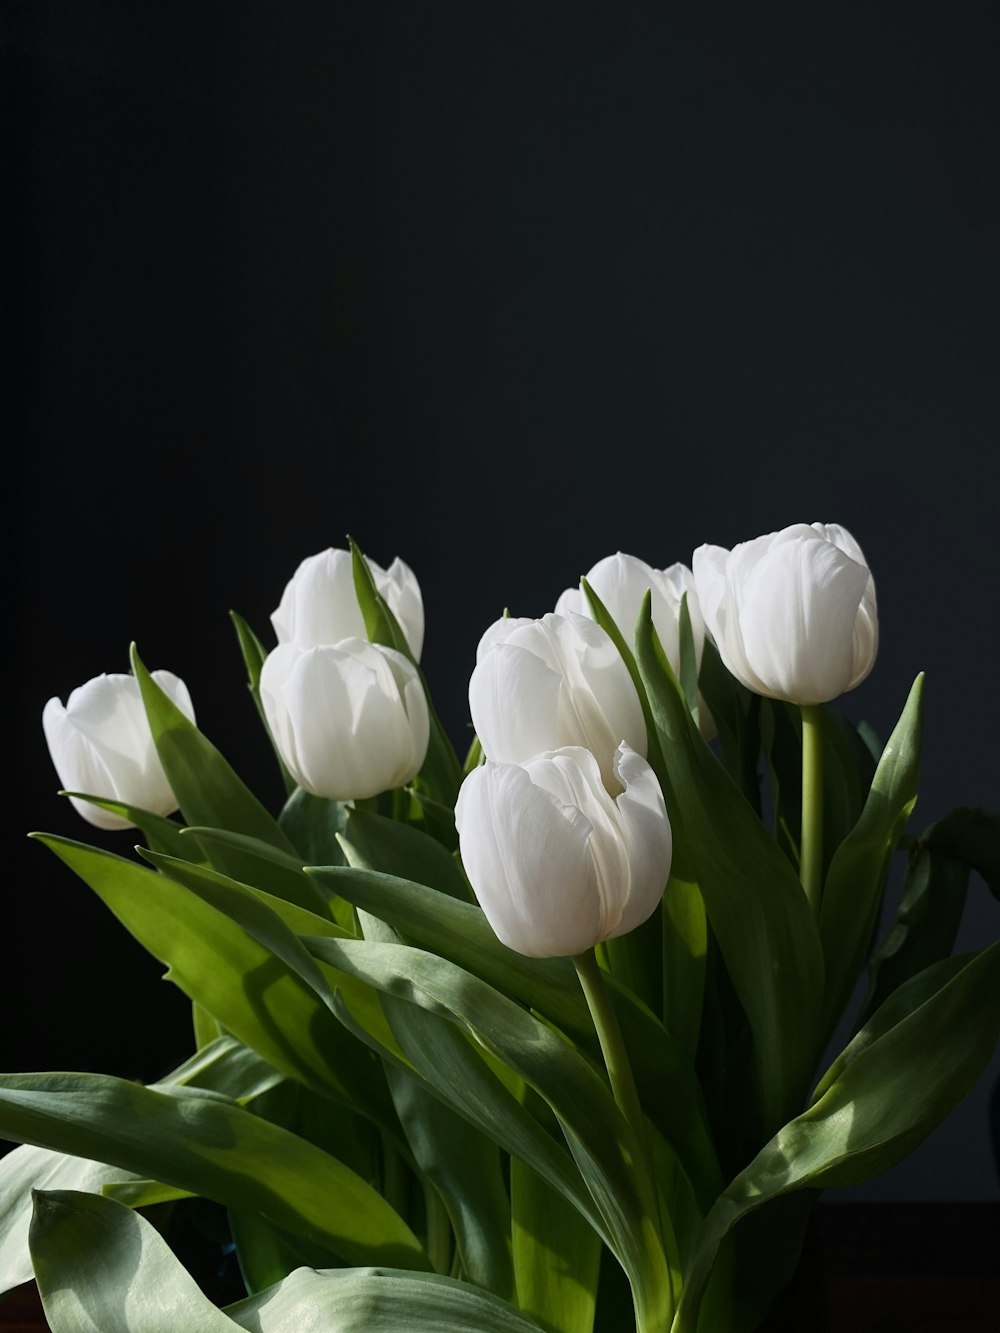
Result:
[
  {"x": 319, "y": 604},
  {"x": 101, "y": 744},
  {"x": 349, "y": 719},
  {"x": 556, "y": 863},
  {"x": 545, "y": 684},
  {"x": 793, "y": 613},
  {"x": 621, "y": 582}
]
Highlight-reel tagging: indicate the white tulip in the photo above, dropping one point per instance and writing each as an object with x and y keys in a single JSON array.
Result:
[
  {"x": 319, "y": 604},
  {"x": 621, "y": 582},
  {"x": 793, "y": 613},
  {"x": 556, "y": 863},
  {"x": 101, "y": 744},
  {"x": 545, "y": 684},
  {"x": 349, "y": 719}
]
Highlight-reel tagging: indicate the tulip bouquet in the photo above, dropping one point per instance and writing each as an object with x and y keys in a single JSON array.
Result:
[{"x": 533, "y": 1043}]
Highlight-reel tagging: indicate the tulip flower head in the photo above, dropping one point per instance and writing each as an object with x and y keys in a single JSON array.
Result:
[
  {"x": 793, "y": 613},
  {"x": 621, "y": 581},
  {"x": 545, "y": 684},
  {"x": 349, "y": 719},
  {"x": 319, "y": 604},
  {"x": 557, "y": 864},
  {"x": 101, "y": 744}
]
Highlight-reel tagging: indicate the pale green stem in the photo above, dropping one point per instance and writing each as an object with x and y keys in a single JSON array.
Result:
[
  {"x": 626, "y": 1095},
  {"x": 811, "y": 845}
]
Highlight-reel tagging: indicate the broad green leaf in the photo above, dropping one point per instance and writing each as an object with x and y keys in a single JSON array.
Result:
[
  {"x": 758, "y": 912},
  {"x": 250, "y": 861},
  {"x": 143, "y": 1193},
  {"x": 971, "y": 836},
  {"x": 28, "y": 1168},
  {"x": 735, "y": 712},
  {"x": 164, "y": 835},
  {"x": 460, "y": 932},
  {"x": 430, "y": 817},
  {"x": 312, "y": 823},
  {"x": 265, "y": 1255},
  {"x": 372, "y": 842},
  {"x": 253, "y": 994},
  {"x": 208, "y": 790},
  {"x": 275, "y": 925},
  {"x": 856, "y": 878},
  {"x": 226, "y": 1066},
  {"x": 557, "y": 1255},
  {"x": 204, "y": 1143},
  {"x": 926, "y": 923},
  {"x": 375, "y": 1300},
  {"x": 915, "y": 1061},
  {"x": 598, "y": 1136},
  {"x": 441, "y": 775},
  {"x": 254, "y": 654},
  {"x": 685, "y": 946},
  {"x": 687, "y": 676},
  {"x": 103, "y": 1269}
]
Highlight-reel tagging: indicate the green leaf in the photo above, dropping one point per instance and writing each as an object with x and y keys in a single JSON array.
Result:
[
  {"x": 972, "y": 837},
  {"x": 164, "y": 835},
  {"x": 758, "y": 912},
  {"x": 372, "y": 842},
  {"x": 104, "y": 1269},
  {"x": 251, "y": 861},
  {"x": 460, "y": 932},
  {"x": 432, "y": 818},
  {"x": 598, "y": 1136},
  {"x": 557, "y": 1255},
  {"x": 735, "y": 712},
  {"x": 204, "y": 1143},
  {"x": 29, "y": 1168},
  {"x": 926, "y": 923},
  {"x": 903, "y": 1073},
  {"x": 253, "y": 994},
  {"x": 685, "y": 948},
  {"x": 688, "y": 674},
  {"x": 375, "y": 1300},
  {"x": 254, "y": 655},
  {"x": 441, "y": 775},
  {"x": 208, "y": 790},
  {"x": 312, "y": 823},
  {"x": 856, "y": 879}
]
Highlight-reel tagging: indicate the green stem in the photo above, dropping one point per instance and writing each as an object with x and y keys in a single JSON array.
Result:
[
  {"x": 626, "y": 1095},
  {"x": 811, "y": 845}
]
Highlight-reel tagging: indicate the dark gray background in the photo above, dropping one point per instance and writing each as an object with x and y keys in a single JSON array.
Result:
[{"x": 500, "y": 288}]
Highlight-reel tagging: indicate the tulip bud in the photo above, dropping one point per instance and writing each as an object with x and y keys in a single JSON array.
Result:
[
  {"x": 793, "y": 613},
  {"x": 349, "y": 719},
  {"x": 621, "y": 582},
  {"x": 319, "y": 604},
  {"x": 556, "y": 863},
  {"x": 101, "y": 744},
  {"x": 545, "y": 684}
]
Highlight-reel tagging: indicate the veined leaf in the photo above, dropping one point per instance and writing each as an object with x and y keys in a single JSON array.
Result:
[
  {"x": 208, "y": 790},
  {"x": 856, "y": 878},
  {"x": 254, "y": 654},
  {"x": 312, "y": 823},
  {"x": 162, "y": 834},
  {"x": 252, "y": 993},
  {"x": 375, "y": 1300},
  {"x": 758, "y": 912},
  {"x": 372, "y": 842},
  {"x": 204, "y": 1143},
  {"x": 251, "y": 861},
  {"x": 902, "y": 1074},
  {"x": 103, "y": 1269}
]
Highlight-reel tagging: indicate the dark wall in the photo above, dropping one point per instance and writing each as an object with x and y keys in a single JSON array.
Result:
[{"x": 500, "y": 288}]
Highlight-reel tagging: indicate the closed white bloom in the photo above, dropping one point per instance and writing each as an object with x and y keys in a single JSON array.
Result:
[
  {"x": 545, "y": 684},
  {"x": 319, "y": 604},
  {"x": 621, "y": 581},
  {"x": 557, "y": 864},
  {"x": 793, "y": 613},
  {"x": 101, "y": 744},
  {"x": 349, "y": 719}
]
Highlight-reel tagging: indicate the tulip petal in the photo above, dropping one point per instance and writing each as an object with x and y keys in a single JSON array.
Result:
[
  {"x": 514, "y": 701},
  {"x": 319, "y": 604},
  {"x": 527, "y": 857},
  {"x": 647, "y": 838},
  {"x": 401, "y": 590},
  {"x": 80, "y": 767},
  {"x": 797, "y": 610}
]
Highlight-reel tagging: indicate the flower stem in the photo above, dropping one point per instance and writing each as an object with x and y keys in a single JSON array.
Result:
[
  {"x": 811, "y": 845},
  {"x": 626, "y": 1095}
]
